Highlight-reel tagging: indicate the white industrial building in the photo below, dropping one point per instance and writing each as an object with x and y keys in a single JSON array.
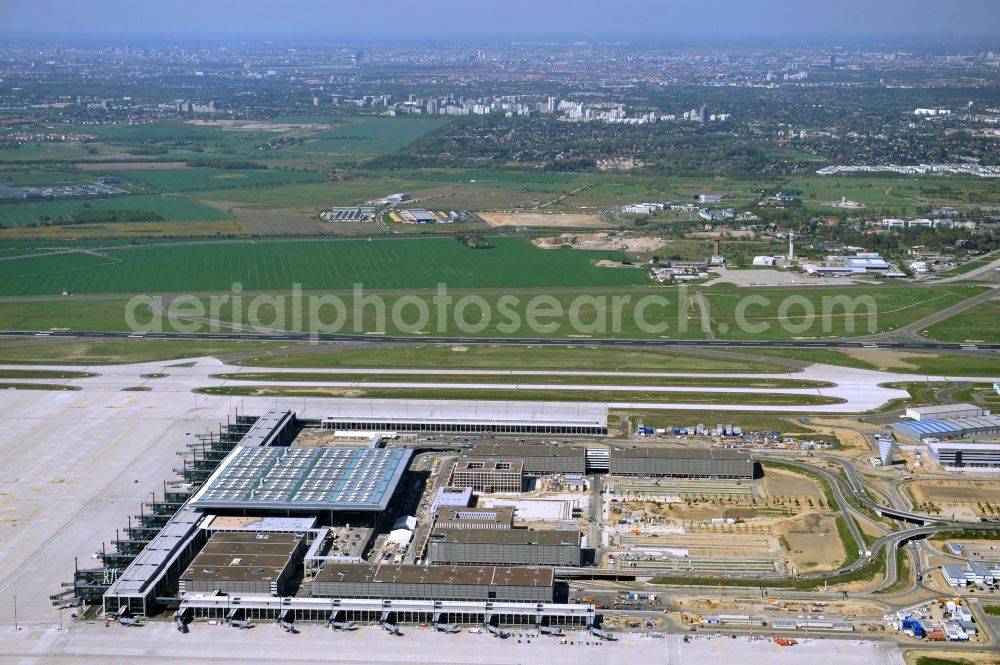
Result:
[
  {"x": 945, "y": 411},
  {"x": 966, "y": 456}
]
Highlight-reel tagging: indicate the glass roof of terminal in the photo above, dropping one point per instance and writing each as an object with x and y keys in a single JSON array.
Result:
[{"x": 305, "y": 478}]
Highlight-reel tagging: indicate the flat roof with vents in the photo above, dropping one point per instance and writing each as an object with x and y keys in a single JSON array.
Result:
[
  {"x": 304, "y": 479},
  {"x": 230, "y": 557},
  {"x": 412, "y": 574},
  {"x": 507, "y": 536}
]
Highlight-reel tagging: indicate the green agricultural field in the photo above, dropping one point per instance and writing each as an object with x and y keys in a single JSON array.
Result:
[
  {"x": 313, "y": 196},
  {"x": 171, "y": 207},
  {"x": 360, "y": 138},
  {"x": 200, "y": 179},
  {"x": 56, "y": 152},
  {"x": 893, "y": 192},
  {"x": 978, "y": 324},
  {"x": 35, "y": 177},
  {"x": 410, "y": 264},
  {"x": 820, "y": 312},
  {"x": 553, "y": 183},
  {"x": 28, "y": 212}
]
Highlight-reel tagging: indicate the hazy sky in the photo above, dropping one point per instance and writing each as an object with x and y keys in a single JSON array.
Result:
[{"x": 636, "y": 20}]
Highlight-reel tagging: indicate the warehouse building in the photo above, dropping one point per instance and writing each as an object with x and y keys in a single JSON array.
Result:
[
  {"x": 681, "y": 462},
  {"x": 364, "y": 580},
  {"x": 961, "y": 455},
  {"x": 945, "y": 412},
  {"x": 244, "y": 562},
  {"x": 921, "y": 430},
  {"x": 489, "y": 475},
  {"x": 521, "y": 547},
  {"x": 513, "y": 417},
  {"x": 497, "y": 517},
  {"x": 539, "y": 459}
]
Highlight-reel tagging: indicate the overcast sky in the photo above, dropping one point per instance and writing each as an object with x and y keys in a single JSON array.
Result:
[{"x": 635, "y": 20}]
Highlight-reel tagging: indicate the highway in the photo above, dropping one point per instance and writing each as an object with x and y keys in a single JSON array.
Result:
[{"x": 518, "y": 341}]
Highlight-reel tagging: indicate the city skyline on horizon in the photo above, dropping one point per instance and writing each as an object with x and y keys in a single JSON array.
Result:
[{"x": 518, "y": 19}]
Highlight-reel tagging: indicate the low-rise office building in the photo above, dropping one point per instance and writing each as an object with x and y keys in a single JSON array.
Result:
[
  {"x": 367, "y": 580},
  {"x": 235, "y": 562},
  {"x": 523, "y": 547},
  {"x": 539, "y": 458},
  {"x": 681, "y": 462},
  {"x": 489, "y": 475},
  {"x": 497, "y": 517}
]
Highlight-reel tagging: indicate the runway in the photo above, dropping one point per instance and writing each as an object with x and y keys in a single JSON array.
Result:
[{"x": 859, "y": 390}]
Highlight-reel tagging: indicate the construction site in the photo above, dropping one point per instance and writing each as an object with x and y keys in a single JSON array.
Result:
[{"x": 770, "y": 527}]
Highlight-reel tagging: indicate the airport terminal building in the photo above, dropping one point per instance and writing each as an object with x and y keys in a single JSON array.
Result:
[{"x": 487, "y": 417}]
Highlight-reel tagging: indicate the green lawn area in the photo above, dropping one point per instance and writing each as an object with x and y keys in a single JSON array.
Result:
[
  {"x": 40, "y": 351},
  {"x": 410, "y": 264},
  {"x": 978, "y": 324},
  {"x": 358, "y": 138},
  {"x": 476, "y": 356},
  {"x": 316, "y": 196},
  {"x": 67, "y": 314},
  {"x": 822, "y": 312},
  {"x": 171, "y": 207},
  {"x": 203, "y": 178},
  {"x": 941, "y": 362}
]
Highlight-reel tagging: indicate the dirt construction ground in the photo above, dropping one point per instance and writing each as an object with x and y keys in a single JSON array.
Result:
[
  {"x": 600, "y": 241},
  {"x": 814, "y": 543},
  {"x": 569, "y": 220},
  {"x": 981, "y": 498}
]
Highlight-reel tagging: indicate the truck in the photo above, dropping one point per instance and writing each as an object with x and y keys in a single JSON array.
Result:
[
  {"x": 343, "y": 625},
  {"x": 554, "y": 631},
  {"x": 496, "y": 631},
  {"x": 391, "y": 628}
]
